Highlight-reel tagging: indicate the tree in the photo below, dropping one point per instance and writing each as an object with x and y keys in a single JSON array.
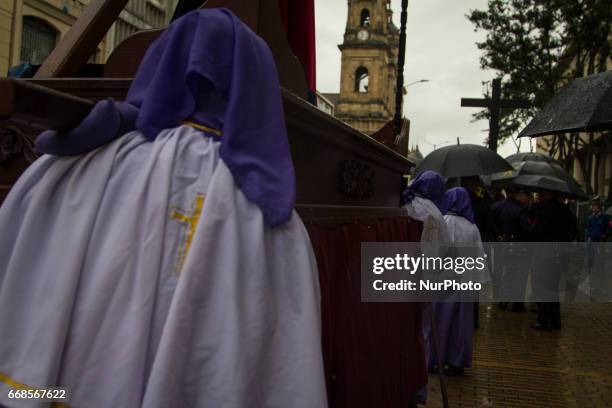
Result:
[{"x": 536, "y": 46}]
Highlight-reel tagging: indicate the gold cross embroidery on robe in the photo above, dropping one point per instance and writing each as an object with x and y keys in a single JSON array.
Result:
[
  {"x": 428, "y": 231},
  {"x": 190, "y": 221}
]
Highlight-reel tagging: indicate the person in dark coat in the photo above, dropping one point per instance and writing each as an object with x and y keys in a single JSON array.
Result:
[
  {"x": 550, "y": 221},
  {"x": 598, "y": 225},
  {"x": 507, "y": 215},
  {"x": 512, "y": 276},
  {"x": 481, "y": 205}
]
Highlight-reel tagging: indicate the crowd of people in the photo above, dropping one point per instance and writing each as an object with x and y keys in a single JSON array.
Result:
[
  {"x": 469, "y": 215},
  {"x": 543, "y": 218}
]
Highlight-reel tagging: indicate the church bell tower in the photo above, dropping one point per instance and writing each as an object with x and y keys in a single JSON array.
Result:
[{"x": 369, "y": 66}]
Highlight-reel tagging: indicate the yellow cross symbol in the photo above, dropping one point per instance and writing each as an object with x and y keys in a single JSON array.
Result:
[
  {"x": 428, "y": 231},
  {"x": 191, "y": 222}
]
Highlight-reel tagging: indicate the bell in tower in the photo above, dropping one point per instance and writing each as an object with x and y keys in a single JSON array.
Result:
[{"x": 369, "y": 66}]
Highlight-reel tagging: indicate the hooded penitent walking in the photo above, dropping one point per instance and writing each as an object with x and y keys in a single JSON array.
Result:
[{"x": 454, "y": 316}]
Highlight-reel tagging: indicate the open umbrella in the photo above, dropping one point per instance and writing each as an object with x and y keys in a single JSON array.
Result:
[
  {"x": 463, "y": 160},
  {"x": 530, "y": 156},
  {"x": 540, "y": 175},
  {"x": 584, "y": 104}
]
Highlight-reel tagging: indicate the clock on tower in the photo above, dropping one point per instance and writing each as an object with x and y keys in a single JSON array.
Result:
[{"x": 363, "y": 34}]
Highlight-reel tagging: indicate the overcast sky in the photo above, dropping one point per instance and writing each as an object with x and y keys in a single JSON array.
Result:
[{"x": 440, "y": 47}]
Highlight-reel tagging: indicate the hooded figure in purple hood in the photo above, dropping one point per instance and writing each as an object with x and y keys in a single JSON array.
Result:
[
  {"x": 422, "y": 199},
  {"x": 153, "y": 258},
  {"x": 454, "y": 316},
  {"x": 226, "y": 86},
  {"x": 456, "y": 201}
]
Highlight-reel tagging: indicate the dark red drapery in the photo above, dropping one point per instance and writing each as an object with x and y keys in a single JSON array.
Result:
[
  {"x": 372, "y": 351},
  {"x": 299, "y": 23}
]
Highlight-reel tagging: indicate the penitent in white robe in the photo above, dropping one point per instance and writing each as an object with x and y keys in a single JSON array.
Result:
[
  {"x": 465, "y": 239},
  {"x": 435, "y": 236},
  {"x": 434, "y": 240},
  {"x": 455, "y": 319},
  {"x": 138, "y": 275}
]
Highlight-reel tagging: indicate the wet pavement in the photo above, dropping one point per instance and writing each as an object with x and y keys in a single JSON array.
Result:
[{"x": 516, "y": 366}]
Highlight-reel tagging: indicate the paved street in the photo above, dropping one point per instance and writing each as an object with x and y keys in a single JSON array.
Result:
[{"x": 515, "y": 366}]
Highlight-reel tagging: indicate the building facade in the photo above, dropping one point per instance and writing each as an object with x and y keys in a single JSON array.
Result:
[
  {"x": 369, "y": 66},
  {"x": 30, "y": 29},
  {"x": 325, "y": 104},
  {"x": 589, "y": 162}
]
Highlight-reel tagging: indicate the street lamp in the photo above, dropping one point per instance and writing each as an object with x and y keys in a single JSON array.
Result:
[
  {"x": 416, "y": 82},
  {"x": 404, "y": 92},
  {"x": 436, "y": 144}
]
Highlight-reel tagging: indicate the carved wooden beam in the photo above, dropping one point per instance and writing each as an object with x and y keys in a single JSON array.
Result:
[
  {"x": 75, "y": 48},
  {"x": 31, "y": 104},
  {"x": 357, "y": 170}
]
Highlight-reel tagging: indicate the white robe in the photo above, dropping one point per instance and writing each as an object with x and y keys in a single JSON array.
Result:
[
  {"x": 434, "y": 241},
  {"x": 454, "y": 317},
  {"x": 113, "y": 284},
  {"x": 435, "y": 236},
  {"x": 465, "y": 238}
]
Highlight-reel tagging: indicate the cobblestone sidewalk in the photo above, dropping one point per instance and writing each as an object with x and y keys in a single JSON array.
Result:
[{"x": 516, "y": 366}]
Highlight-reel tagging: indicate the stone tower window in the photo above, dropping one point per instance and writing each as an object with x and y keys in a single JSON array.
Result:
[
  {"x": 362, "y": 80},
  {"x": 365, "y": 18}
]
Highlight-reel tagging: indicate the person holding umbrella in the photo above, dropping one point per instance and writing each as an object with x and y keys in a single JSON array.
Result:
[
  {"x": 549, "y": 220},
  {"x": 538, "y": 176},
  {"x": 483, "y": 219},
  {"x": 507, "y": 215},
  {"x": 481, "y": 204}
]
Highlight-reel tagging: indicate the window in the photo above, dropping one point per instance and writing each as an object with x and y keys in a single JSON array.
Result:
[
  {"x": 365, "y": 18},
  {"x": 37, "y": 40},
  {"x": 138, "y": 15},
  {"x": 362, "y": 79}
]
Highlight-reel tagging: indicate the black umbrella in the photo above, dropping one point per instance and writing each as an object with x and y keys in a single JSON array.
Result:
[
  {"x": 584, "y": 104},
  {"x": 540, "y": 175},
  {"x": 530, "y": 156},
  {"x": 463, "y": 161}
]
